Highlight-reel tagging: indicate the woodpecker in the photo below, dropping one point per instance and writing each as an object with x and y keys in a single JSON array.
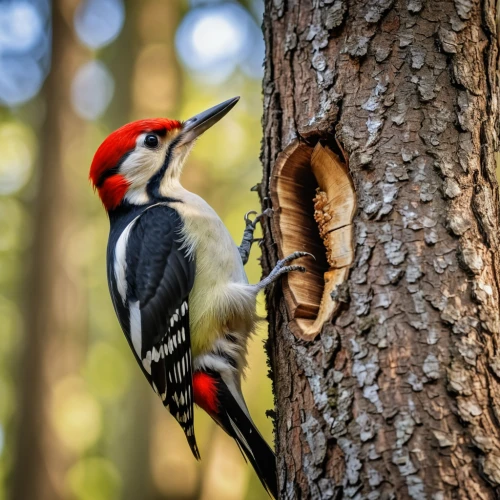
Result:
[{"x": 177, "y": 279}]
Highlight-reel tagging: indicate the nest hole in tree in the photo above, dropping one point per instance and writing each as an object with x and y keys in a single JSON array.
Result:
[{"x": 314, "y": 201}]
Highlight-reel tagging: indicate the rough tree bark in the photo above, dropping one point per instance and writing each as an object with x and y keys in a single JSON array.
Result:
[{"x": 399, "y": 397}]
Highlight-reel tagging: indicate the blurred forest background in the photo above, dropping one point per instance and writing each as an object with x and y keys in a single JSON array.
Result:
[{"x": 77, "y": 418}]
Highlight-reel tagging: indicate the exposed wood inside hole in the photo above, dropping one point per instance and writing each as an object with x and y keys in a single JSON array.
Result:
[{"x": 314, "y": 201}]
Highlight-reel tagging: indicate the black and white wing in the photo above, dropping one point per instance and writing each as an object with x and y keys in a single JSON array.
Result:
[{"x": 151, "y": 275}]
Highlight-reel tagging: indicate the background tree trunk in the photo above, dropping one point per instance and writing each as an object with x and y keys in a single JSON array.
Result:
[
  {"x": 53, "y": 321},
  {"x": 399, "y": 396}
]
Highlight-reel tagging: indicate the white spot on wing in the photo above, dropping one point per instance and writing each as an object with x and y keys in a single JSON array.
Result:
[
  {"x": 156, "y": 355},
  {"x": 120, "y": 264},
  {"x": 146, "y": 362},
  {"x": 135, "y": 327}
]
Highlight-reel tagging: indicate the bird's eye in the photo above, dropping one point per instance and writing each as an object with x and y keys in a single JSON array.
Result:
[{"x": 151, "y": 141}]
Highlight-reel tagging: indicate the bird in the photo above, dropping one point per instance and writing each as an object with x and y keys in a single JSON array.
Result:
[{"x": 177, "y": 280}]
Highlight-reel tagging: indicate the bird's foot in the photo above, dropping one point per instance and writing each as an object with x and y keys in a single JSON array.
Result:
[
  {"x": 281, "y": 268},
  {"x": 250, "y": 225}
]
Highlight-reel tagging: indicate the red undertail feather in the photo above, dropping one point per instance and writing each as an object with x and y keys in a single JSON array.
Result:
[{"x": 205, "y": 392}]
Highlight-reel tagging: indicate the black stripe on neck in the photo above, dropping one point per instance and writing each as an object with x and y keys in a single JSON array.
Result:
[{"x": 153, "y": 187}]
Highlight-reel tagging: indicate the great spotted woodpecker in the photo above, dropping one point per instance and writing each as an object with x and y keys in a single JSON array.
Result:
[{"x": 177, "y": 280}]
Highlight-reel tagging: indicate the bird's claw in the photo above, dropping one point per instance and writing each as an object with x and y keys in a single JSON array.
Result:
[
  {"x": 268, "y": 212},
  {"x": 282, "y": 268},
  {"x": 247, "y": 217},
  {"x": 295, "y": 255}
]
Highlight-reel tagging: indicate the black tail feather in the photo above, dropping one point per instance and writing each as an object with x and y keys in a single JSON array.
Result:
[
  {"x": 234, "y": 420},
  {"x": 260, "y": 455}
]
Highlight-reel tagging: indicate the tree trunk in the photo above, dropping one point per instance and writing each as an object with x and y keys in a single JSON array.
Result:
[
  {"x": 399, "y": 396},
  {"x": 53, "y": 321}
]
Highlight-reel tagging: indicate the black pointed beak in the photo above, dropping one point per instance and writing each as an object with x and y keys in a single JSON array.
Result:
[{"x": 195, "y": 126}]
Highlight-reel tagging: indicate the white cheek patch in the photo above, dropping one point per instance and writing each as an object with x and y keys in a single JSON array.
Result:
[
  {"x": 139, "y": 167},
  {"x": 143, "y": 162}
]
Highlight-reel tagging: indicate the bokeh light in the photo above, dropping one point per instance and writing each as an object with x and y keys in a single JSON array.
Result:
[
  {"x": 76, "y": 414},
  {"x": 12, "y": 215},
  {"x": 107, "y": 372},
  {"x": 20, "y": 26},
  {"x": 99, "y": 22},
  {"x": 24, "y": 51},
  {"x": 214, "y": 39},
  {"x": 197, "y": 3},
  {"x": 16, "y": 161},
  {"x": 92, "y": 90},
  {"x": 20, "y": 79},
  {"x": 257, "y": 7},
  {"x": 94, "y": 478}
]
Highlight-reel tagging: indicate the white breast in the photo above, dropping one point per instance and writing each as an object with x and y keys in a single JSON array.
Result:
[
  {"x": 217, "y": 257},
  {"x": 219, "y": 300}
]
